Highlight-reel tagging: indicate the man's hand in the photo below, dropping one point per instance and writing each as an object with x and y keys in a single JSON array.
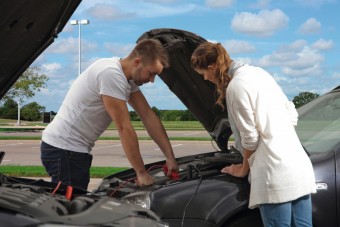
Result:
[
  {"x": 171, "y": 167},
  {"x": 236, "y": 170},
  {"x": 144, "y": 179}
]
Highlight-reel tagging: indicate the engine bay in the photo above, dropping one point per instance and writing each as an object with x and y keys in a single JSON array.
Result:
[
  {"x": 190, "y": 168},
  {"x": 36, "y": 202}
]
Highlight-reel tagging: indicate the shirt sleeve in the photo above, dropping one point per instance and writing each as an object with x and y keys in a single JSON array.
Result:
[
  {"x": 242, "y": 109},
  {"x": 112, "y": 83}
]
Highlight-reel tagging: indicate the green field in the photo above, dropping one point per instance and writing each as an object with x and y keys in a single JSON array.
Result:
[
  {"x": 138, "y": 125},
  {"x": 39, "y": 171}
]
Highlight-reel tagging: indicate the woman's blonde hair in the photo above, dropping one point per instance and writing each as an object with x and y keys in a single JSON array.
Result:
[{"x": 214, "y": 53}]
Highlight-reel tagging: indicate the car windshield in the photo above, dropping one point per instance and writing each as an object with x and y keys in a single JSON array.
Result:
[{"x": 319, "y": 124}]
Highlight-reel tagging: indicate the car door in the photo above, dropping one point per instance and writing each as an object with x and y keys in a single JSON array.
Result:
[
  {"x": 324, "y": 202},
  {"x": 319, "y": 132}
]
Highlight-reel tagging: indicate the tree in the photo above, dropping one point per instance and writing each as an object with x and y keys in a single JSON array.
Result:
[
  {"x": 187, "y": 116},
  {"x": 27, "y": 85},
  {"x": 303, "y": 98},
  {"x": 9, "y": 110},
  {"x": 32, "y": 111},
  {"x": 134, "y": 116},
  {"x": 157, "y": 112}
]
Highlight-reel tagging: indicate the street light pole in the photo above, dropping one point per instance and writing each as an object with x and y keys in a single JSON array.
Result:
[{"x": 79, "y": 23}]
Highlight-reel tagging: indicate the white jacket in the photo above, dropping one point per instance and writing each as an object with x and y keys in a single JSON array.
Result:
[{"x": 280, "y": 169}]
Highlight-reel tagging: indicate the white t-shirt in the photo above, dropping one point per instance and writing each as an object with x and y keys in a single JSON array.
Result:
[
  {"x": 280, "y": 169},
  {"x": 82, "y": 117}
]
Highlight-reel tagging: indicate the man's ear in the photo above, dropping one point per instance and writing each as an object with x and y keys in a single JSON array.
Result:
[{"x": 136, "y": 61}]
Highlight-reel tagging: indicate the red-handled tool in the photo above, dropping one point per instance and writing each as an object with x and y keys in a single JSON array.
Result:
[
  {"x": 69, "y": 192},
  {"x": 173, "y": 176}
]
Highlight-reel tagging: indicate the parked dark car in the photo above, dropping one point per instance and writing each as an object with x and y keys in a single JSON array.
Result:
[
  {"x": 27, "y": 29},
  {"x": 201, "y": 195}
]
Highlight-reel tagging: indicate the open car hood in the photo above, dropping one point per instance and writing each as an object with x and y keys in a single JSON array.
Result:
[
  {"x": 27, "y": 28},
  {"x": 196, "y": 94}
]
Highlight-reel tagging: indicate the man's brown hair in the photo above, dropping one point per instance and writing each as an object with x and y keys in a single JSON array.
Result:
[{"x": 150, "y": 50}]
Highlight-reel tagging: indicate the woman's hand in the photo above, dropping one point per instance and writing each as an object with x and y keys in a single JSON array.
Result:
[
  {"x": 239, "y": 170},
  {"x": 236, "y": 170}
]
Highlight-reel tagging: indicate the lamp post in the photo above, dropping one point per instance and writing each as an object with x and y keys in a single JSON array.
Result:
[{"x": 79, "y": 23}]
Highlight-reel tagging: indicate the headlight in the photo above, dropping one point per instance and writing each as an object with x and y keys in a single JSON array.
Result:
[
  {"x": 163, "y": 224},
  {"x": 141, "y": 199}
]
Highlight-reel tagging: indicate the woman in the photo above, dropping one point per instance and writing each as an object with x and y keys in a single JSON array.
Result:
[{"x": 281, "y": 174}]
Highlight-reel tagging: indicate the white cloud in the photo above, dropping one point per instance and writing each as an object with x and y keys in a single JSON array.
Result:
[
  {"x": 310, "y": 26},
  {"x": 219, "y": 3},
  {"x": 51, "y": 67},
  {"x": 295, "y": 59},
  {"x": 109, "y": 12},
  {"x": 248, "y": 61},
  {"x": 70, "y": 45},
  {"x": 312, "y": 70},
  {"x": 263, "y": 24},
  {"x": 278, "y": 78},
  {"x": 322, "y": 44},
  {"x": 128, "y": 9},
  {"x": 238, "y": 46},
  {"x": 297, "y": 44}
]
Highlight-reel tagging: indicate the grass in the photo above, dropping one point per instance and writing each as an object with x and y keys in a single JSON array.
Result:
[
  {"x": 170, "y": 125},
  {"x": 138, "y": 125},
  {"x": 39, "y": 171},
  {"x": 11, "y": 122}
]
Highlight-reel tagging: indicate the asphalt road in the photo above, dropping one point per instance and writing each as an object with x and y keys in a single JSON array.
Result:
[{"x": 106, "y": 152}]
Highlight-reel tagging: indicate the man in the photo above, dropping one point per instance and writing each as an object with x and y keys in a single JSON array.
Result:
[{"x": 97, "y": 97}]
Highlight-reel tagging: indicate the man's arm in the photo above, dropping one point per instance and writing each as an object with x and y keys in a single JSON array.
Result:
[
  {"x": 154, "y": 127},
  {"x": 119, "y": 113}
]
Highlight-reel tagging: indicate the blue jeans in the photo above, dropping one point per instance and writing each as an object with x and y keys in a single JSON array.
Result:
[
  {"x": 295, "y": 213},
  {"x": 69, "y": 167}
]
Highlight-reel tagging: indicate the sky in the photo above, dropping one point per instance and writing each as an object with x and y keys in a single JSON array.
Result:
[{"x": 297, "y": 41}]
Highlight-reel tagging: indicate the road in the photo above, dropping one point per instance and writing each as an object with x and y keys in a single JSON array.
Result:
[{"x": 106, "y": 152}]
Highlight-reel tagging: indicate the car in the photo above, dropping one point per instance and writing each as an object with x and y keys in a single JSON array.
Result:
[
  {"x": 200, "y": 195},
  {"x": 27, "y": 29}
]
